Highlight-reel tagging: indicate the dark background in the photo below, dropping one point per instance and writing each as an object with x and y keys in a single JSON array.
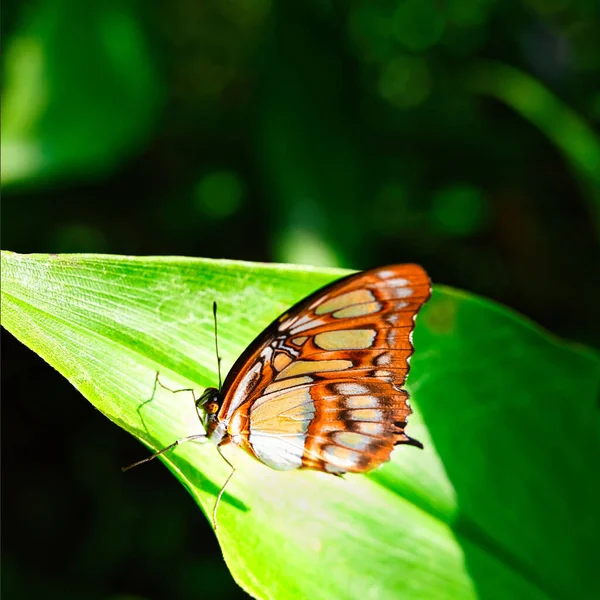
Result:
[{"x": 350, "y": 134}]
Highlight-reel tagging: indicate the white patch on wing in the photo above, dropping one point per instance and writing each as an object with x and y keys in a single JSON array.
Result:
[
  {"x": 399, "y": 281},
  {"x": 280, "y": 452},
  {"x": 350, "y": 389},
  {"x": 370, "y": 427},
  {"x": 352, "y": 440},
  {"x": 402, "y": 292},
  {"x": 304, "y": 323},
  {"x": 365, "y": 414},
  {"x": 361, "y": 402},
  {"x": 341, "y": 457},
  {"x": 383, "y": 373},
  {"x": 385, "y": 274},
  {"x": 278, "y": 424},
  {"x": 383, "y": 359}
]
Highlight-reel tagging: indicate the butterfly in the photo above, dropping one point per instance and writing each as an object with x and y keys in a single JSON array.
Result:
[{"x": 321, "y": 387}]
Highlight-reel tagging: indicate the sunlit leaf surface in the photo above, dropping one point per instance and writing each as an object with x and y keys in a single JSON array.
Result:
[{"x": 502, "y": 502}]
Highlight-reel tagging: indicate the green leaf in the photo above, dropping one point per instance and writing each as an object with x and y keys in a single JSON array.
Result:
[
  {"x": 80, "y": 90},
  {"x": 569, "y": 132},
  {"x": 502, "y": 502}
]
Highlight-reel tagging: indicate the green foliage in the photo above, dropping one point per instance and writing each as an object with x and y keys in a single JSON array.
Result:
[
  {"x": 564, "y": 127},
  {"x": 506, "y": 413},
  {"x": 81, "y": 91}
]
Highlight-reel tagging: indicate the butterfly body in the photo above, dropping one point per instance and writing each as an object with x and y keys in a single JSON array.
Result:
[{"x": 320, "y": 388}]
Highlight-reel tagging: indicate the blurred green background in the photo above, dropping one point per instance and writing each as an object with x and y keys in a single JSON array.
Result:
[{"x": 460, "y": 134}]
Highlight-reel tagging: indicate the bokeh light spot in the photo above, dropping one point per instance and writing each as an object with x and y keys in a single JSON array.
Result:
[
  {"x": 405, "y": 81},
  {"x": 219, "y": 194},
  {"x": 370, "y": 31},
  {"x": 467, "y": 12},
  {"x": 460, "y": 210},
  {"x": 418, "y": 24},
  {"x": 301, "y": 245}
]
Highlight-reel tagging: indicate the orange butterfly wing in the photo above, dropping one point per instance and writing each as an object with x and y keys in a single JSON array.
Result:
[{"x": 321, "y": 387}]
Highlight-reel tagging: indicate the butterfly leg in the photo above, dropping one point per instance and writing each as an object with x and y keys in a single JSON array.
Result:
[
  {"x": 189, "y": 438},
  {"x": 157, "y": 381},
  {"x": 220, "y": 494}
]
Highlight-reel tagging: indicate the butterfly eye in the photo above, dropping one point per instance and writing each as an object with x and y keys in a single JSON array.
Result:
[{"x": 211, "y": 408}]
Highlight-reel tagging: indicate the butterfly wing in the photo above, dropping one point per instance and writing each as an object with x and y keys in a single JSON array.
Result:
[{"x": 321, "y": 386}]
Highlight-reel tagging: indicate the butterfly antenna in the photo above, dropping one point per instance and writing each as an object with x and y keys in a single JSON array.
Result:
[{"x": 217, "y": 343}]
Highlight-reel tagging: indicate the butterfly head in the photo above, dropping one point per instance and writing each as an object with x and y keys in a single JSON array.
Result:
[{"x": 208, "y": 406}]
